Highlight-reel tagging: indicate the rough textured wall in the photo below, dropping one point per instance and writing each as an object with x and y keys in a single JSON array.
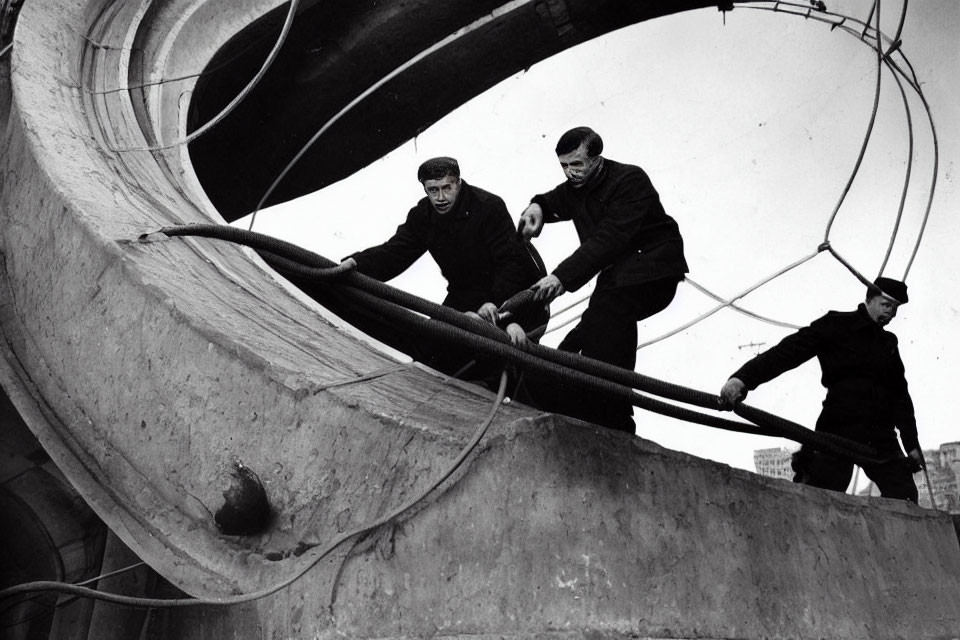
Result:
[{"x": 146, "y": 369}]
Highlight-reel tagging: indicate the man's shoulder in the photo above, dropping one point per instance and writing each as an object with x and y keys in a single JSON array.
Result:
[
  {"x": 485, "y": 197},
  {"x": 833, "y": 321},
  {"x": 483, "y": 202},
  {"x": 623, "y": 173},
  {"x": 420, "y": 211},
  {"x": 623, "y": 168},
  {"x": 846, "y": 321}
]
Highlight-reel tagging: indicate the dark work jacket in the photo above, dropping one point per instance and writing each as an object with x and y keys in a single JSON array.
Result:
[
  {"x": 625, "y": 235},
  {"x": 862, "y": 371},
  {"x": 475, "y": 244}
]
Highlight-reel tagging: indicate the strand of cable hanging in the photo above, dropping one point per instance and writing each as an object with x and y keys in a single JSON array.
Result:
[
  {"x": 154, "y": 83},
  {"x": 687, "y": 280},
  {"x": 62, "y": 603},
  {"x": 907, "y": 174},
  {"x": 824, "y": 245},
  {"x": 866, "y": 138},
  {"x": 7, "y": 48},
  {"x": 450, "y": 39},
  {"x": 882, "y": 58},
  {"x": 727, "y": 303},
  {"x": 240, "y": 97},
  {"x": 737, "y": 308},
  {"x": 911, "y": 79},
  {"x": 915, "y": 85},
  {"x": 134, "y": 601}
]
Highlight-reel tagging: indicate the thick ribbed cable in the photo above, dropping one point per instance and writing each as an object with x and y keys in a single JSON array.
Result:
[
  {"x": 765, "y": 424},
  {"x": 308, "y": 264}
]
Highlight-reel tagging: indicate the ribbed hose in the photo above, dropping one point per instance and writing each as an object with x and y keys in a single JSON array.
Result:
[
  {"x": 457, "y": 328},
  {"x": 498, "y": 347}
]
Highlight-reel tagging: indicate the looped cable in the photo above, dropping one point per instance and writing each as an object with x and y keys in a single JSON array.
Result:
[{"x": 460, "y": 329}]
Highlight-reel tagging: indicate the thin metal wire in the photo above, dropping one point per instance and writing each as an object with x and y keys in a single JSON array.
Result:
[
  {"x": 80, "y": 591},
  {"x": 746, "y": 312},
  {"x": 914, "y": 83},
  {"x": 564, "y": 323},
  {"x": 579, "y": 300},
  {"x": 6, "y": 49},
  {"x": 743, "y": 293},
  {"x": 453, "y": 37},
  {"x": 933, "y": 187},
  {"x": 154, "y": 83},
  {"x": 859, "y": 276},
  {"x": 217, "y": 119},
  {"x": 874, "y": 8},
  {"x": 866, "y": 138},
  {"x": 896, "y": 36},
  {"x": 906, "y": 179},
  {"x": 64, "y": 603},
  {"x": 926, "y": 476}
]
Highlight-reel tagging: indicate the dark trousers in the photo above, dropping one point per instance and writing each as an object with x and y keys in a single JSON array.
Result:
[
  {"x": 893, "y": 478},
  {"x": 607, "y": 331}
]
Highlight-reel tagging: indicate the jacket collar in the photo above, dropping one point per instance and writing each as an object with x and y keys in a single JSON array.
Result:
[
  {"x": 864, "y": 317},
  {"x": 594, "y": 180}
]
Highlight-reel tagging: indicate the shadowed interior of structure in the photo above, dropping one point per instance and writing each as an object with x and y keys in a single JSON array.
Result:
[{"x": 335, "y": 51}]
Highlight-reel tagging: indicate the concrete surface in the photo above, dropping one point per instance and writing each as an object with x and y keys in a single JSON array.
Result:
[{"x": 145, "y": 370}]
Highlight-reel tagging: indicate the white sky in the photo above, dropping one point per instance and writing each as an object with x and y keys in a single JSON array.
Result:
[{"x": 749, "y": 131}]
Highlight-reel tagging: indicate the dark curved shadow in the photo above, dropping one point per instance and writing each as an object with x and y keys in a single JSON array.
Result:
[{"x": 335, "y": 51}]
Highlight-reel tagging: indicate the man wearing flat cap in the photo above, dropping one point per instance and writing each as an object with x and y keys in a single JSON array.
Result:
[{"x": 867, "y": 399}]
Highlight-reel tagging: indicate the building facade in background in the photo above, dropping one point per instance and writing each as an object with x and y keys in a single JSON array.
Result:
[
  {"x": 774, "y": 463},
  {"x": 943, "y": 467}
]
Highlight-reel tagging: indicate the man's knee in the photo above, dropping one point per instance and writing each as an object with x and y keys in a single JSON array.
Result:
[
  {"x": 820, "y": 470},
  {"x": 896, "y": 483}
]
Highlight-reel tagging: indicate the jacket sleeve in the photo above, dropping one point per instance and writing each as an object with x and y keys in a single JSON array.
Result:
[
  {"x": 906, "y": 420},
  {"x": 388, "y": 260},
  {"x": 788, "y": 354},
  {"x": 510, "y": 272},
  {"x": 551, "y": 203},
  {"x": 615, "y": 234}
]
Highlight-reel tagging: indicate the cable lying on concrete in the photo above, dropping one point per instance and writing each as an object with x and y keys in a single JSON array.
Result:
[
  {"x": 132, "y": 601},
  {"x": 457, "y": 328}
]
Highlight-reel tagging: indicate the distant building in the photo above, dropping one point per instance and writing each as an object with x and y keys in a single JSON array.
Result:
[
  {"x": 943, "y": 467},
  {"x": 774, "y": 463}
]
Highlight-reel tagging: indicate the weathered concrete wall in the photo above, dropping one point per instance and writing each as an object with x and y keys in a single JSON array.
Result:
[
  {"x": 560, "y": 530},
  {"x": 146, "y": 369}
]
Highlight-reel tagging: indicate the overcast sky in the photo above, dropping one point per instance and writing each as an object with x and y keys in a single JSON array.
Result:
[{"x": 749, "y": 131}]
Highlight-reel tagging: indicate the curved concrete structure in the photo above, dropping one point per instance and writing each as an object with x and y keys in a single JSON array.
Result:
[{"x": 147, "y": 369}]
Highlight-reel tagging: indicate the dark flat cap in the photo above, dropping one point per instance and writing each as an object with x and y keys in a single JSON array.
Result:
[{"x": 892, "y": 289}]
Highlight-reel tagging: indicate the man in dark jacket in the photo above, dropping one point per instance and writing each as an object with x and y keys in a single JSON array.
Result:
[
  {"x": 867, "y": 397},
  {"x": 628, "y": 239},
  {"x": 470, "y": 235}
]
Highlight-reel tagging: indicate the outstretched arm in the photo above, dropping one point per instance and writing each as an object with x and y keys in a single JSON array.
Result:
[{"x": 388, "y": 260}]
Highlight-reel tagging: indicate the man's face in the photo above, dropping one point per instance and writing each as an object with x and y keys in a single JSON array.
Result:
[
  {"x": 442, "y": 193},
  {"x": 881, "y": 309},
  {"x": 577, "y": 166}
]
